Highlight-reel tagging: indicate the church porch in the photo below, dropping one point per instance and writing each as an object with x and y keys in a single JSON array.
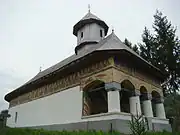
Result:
[{"x": 122, "y": 101}]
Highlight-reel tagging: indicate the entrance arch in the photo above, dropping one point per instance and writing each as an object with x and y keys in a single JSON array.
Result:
[
  {"x": 127, "y": 89},
  {"x": 143, "y": 97},
  {"x": 95, "y": 98}
]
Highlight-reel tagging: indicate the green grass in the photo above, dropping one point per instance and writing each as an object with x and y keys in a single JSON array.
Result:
[{"x": 25, "y": 131}]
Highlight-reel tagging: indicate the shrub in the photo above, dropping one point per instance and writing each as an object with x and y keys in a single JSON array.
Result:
[{"x": 138, "y": 125}]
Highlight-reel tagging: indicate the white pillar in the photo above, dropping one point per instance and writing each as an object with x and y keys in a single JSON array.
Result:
[
  {"x": 113, "y": 101},
  {"x": 160, "y": 112},
  {"x": 113, "y": 89},
  {"x": 135, "y": 107},
  {"x": 147, "y": 108}
]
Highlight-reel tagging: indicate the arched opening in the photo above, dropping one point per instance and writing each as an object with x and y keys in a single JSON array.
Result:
[
  {"x": 143, "y": 97},
  {"x": 127, "y": 89},
  {"x": 95, "y": 98},
  {"x": 155, "y": 99}
]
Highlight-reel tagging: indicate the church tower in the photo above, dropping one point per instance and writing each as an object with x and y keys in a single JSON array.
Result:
[{"x": 89, "y": 31}]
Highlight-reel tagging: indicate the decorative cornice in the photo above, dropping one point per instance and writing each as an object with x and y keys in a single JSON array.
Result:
[
  {"x": 100, "y": 70},
  {"x": 134, "y": 73}
]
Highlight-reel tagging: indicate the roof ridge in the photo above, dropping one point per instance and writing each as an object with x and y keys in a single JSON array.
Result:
[{"x": 117, "y": 40}]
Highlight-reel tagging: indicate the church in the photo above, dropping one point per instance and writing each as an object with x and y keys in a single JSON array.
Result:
[{"x": 97, "y": 88}]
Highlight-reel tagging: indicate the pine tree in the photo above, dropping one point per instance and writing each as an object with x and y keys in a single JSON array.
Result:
[
  {"x": 129, "y": 44},
  {"x": 136, "y": 49},
  {"x": 162, "y": 49},
  {"x": 148, "y": 49},
  {"x": 168, "y": 49}
]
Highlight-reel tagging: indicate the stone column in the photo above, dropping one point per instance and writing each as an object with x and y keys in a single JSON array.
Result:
[
  {"x": 160, "y": 111},
  {"x": 135, "y": 106},
  {"x": 147, "y": 106},
  {"x": 113, "y": 89}
]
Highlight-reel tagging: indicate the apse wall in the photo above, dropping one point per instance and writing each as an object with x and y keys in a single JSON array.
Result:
[{"x": 59, "y": 108}]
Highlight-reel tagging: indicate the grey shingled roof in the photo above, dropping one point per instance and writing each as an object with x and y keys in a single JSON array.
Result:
[
  {"x": 71, "y": 59},
  {"x": 114, "y": 43},
  {"x": 111, "y": 42},
  {"x": 89, "y": 15}
]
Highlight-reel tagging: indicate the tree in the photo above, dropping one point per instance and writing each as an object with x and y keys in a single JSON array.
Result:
[
  {"x": 138, "y": 125},
  {"x": 129, "y": 44},
  {"x": 136, "y": 49},
  {"x": 172, "y": 106},
  {"x": 3, "y": 117},
  {"x": 169, "y": 47},
  {"x": 148, "y": 49},
  {"x": 162, "y": 49}
]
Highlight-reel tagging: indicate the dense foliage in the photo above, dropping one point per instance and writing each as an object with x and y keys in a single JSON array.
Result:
[
  {"x": 3, "y": 116},
  {"x": 172, "y": 106}
]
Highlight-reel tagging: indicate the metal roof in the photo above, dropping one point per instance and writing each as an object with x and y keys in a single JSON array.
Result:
[{"x": 99, "y": 46}]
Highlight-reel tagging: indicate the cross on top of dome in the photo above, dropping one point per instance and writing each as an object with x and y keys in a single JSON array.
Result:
[{"x": 88, "y": 19}]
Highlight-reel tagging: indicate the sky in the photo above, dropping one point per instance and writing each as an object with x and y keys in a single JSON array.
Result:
[{"x": 38, "y": 33}]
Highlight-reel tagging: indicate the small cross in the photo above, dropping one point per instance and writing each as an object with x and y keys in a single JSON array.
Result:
[
  {"x": 112, "y": 29},
  {"x": 40, "y": 69},
  {"x": 89, "y": 8}
]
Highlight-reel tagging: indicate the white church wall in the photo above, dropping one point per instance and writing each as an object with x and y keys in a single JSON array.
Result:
[
  {"x": 59, "y": 108},
  {"x": 107, "y": 116}
]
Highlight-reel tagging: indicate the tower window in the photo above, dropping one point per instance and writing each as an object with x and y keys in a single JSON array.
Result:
[
  {"x": 101, "y": 33},
  {"x": 81, "y": 34},
  {"x": 16, "y": 117}
]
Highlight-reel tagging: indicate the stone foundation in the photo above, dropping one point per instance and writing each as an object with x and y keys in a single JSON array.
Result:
[
  {"x": 156, "y": 124},
  {"x": 104, "y": 125}
]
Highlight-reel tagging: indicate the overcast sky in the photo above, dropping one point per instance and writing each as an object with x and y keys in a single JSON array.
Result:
[{"x": 36, "y": 33}]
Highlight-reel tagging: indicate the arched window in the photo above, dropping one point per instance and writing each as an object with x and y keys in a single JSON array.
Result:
[
  {"x": 16, "y": 115},
  {"x": 101, "y": 33},
  {"x": 81, "y": 34},
  {"x": 127, "y": 88},
  {"x": 95, "y": 98}
]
